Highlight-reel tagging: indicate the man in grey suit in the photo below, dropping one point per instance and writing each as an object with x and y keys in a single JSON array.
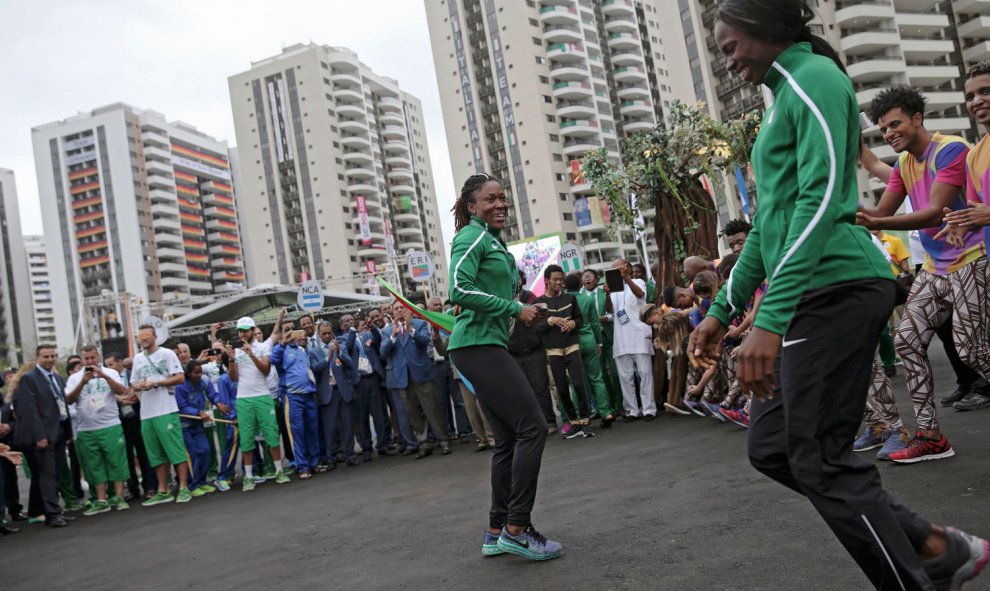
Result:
[
  {"x": 405, "y": 348},
  {"x": 43, "y": 430},
  {"x": 335, "y": 369}
]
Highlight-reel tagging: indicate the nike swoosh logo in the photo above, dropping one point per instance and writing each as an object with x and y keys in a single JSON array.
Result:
[
  {"x": 524, "y": 544},
  {"x": 789, "y": 343}
]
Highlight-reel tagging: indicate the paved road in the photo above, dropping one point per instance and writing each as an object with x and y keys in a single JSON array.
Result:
[{"x": 671, "y": 504}]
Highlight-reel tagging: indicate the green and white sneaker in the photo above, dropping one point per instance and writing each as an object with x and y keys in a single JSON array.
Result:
[
  {"x": 197, "y": 492},
  {"x": 208, "y": 489},
  {"x": 269, "y": 475},
  {"x": 223, "y": 485},
  {"x": 281, "y": 477},
  {"x": 248, "y": 485},
  {"x": 119, "y": 503},
  {"x": 96, "y": 508},
  {"x": 158, "y": 498},
  {"x": 73, "y": 505},
  {"x": 184, "y": 496}
]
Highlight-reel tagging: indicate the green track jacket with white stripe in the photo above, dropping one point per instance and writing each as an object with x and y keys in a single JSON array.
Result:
[
  {"x": 483, "y": 279},
  {"x": 804, "y": 234}
]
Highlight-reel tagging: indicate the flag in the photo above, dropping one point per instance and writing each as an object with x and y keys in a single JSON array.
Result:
[
  {"x": 743, "y": 193},
  {"x": 364, "y": 225},
  {"x": 437, "y": 319}
]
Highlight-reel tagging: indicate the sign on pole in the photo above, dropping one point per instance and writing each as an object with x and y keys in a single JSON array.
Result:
[
  {"x": 420, "y": 266},
  {"x": 363, "y": 224},
  {"x": 310, "y": 297},
  {"x": 161, "y": 329},
  {"x": 570, "y": 257}
]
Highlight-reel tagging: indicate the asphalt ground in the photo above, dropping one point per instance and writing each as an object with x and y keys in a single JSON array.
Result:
[{"x": 671, "y": 504}]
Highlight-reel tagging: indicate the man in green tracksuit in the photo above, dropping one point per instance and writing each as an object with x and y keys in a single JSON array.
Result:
[
  {"x": 590, "y": 341},
  {"x": 590, "y": 287}
]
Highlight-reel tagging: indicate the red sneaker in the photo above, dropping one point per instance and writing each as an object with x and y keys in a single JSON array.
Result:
[
  {"x": 738, "y": 417},
  {"x": 922, "y": 448}
]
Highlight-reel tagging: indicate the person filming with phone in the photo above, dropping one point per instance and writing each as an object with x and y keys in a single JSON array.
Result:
[{"x": 632, "y": 340}]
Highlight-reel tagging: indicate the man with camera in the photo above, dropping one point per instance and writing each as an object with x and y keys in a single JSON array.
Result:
[{"x": 96, "y": 391}]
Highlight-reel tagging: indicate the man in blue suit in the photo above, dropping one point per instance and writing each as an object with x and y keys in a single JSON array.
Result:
[
  {"x": 402, "y": 435},
  {"x": 370, "y": 397},
  {"x": 406, "y": 350},
  {"x": 336, "y": 374}
]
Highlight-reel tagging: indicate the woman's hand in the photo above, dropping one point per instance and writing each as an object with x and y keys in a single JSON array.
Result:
[
  {"x": 528, "y": 315},
  {"x": 705, "y": 343},
  {"x": 756, "y": 359}
]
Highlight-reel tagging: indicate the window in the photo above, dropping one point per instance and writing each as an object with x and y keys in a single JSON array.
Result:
[
  {"x": 533, "y": 23},
  {"x": 563, "y": 196},
  {"x": 568, "y": 217},
  {"x": 544, "y": 80},
  {"x": 537, "y": 41},
  {"x": 558, "y": 158},
  {"x": 540, "y": 60},
  {"x": 547, "y": 99},
  {"x": 571, "y": 236},
  {"x": 554, "y": 137},
  {"x": 551, "y": 118}
]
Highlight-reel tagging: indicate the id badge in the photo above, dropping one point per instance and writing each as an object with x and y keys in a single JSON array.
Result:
[
  {"x": 364, "y": 365},
  {"x": 63, "y": 411},
  {"x": 97, "y": 402},
  {"x": 622, "y": 316}
]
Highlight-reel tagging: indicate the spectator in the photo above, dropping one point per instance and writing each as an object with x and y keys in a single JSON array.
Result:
[
  {"x": 130, "y": 422},
  {"x": 450, "y": 394},
  {"x": 195, "y": 397},
  {"x": 292, "y": 360},
  {"x": 526, "y": 348},
  {"x": 632, "y": 344},
  {"x": 590, "y": 343},
  {"x": 335, "y": 375}
]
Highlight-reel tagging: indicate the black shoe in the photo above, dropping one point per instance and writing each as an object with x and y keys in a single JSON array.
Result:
[
  {"x": 607, "y": 422},
  {"x": 890, "y": 370},
  {"x": 586, "y": 431},
  {"x": 482, "y": 447},
  {"x": 22, "y": 516},
  {"x": 972, "y": 401},
  {"x": 409, "y": 451},
  {"x": 7, "y": 530},
  {"x": 353, "y": 462},
  {"x": 67, "y": 517},
  {"x": 56, "y": 521},
  {"x": 423, "y": 452},
  {"x": 955, "y": 397},
  {"x": 649, "y": 418},
  {"x": 388, "y": 451},
  {"x": 366, "y": 456},
  {"x": 631, "y": 418},
  {"x": 444, "y": 449}
]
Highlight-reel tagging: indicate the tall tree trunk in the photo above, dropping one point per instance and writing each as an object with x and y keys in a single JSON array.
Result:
[{"x": 671, "y": 227}]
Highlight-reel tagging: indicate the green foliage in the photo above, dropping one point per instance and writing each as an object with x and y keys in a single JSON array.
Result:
[{"x": 669, "y": 160}]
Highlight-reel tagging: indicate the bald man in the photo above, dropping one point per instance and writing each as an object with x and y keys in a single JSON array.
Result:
[{"x": 694, "y": 265}]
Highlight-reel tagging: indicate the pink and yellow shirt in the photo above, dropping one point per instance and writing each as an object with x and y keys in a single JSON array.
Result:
[{"x": 978, "y": 177}]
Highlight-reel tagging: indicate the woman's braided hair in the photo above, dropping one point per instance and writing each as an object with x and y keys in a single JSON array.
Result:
[{"x": 462, "y": 216}]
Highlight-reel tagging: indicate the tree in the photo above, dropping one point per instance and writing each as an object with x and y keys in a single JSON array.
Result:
[{"x": 664, "y": 169}]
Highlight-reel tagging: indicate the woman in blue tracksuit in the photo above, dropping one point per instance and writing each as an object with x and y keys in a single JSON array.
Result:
[
  {"x": 299, "y": 405},
  {"x": 194, "y": 397}
]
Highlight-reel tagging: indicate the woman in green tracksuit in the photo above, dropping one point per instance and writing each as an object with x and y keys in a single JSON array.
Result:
[
  {"x": 808, "y": 359},
  {"x": 483, "y": 284}
]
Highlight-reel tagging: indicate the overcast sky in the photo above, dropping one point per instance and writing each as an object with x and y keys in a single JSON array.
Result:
[{"x": 65, "y": 56}]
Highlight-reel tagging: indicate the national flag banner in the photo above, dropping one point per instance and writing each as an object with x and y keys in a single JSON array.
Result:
[
  {"x": 437, "y": 319},
  {"x": 577, "y": 176},
  {"x": 371, "y": 266},
  {"x": 389, "y": 241},
  {"x": 570, "y": 258},
  {"x": 364, "y": 225}
]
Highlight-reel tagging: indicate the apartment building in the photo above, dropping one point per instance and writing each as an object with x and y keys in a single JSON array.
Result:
[
  {"x": 17, "y": 335},
  {"x": 41, "y": 292},
  {"x": 529, "y": 87},
  {"x": 133, "y": 204},
  {"x": 335, "y": 175}
]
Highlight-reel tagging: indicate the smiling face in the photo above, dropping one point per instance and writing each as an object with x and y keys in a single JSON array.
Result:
[
  {"x": 490, "y": 204},
  {"x": 399, "y": 312},
  {"x": 746, "y": 56},
  {"x": 899, "y": 130},
  {"x": 146, "y": 338},
  {"x": 555, "y": 283},
  {"x": 376, "y": 318},
  {"x": 978, "y": 98},
  {"x": 306, "y": 323},
  {"x": 46, "y": 358}
]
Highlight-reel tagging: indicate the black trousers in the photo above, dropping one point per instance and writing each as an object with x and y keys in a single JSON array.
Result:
[
  {"x": 283, "y": 429},
  {"x": 134, "y": 446},
  {"x": 966, "y": 376},
  {"x": 11, "y": 492},
  {"x": 802, "y": 437},
  {"x": 46, "y": 464},
  {"x": 568, "y": 370},
  {"x": 534, "y": 366},
  {"x": 517, "y": 422}
]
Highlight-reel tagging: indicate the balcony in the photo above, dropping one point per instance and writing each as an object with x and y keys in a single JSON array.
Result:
[
  {"x": 165, "y": 252},
  {"x": 164, "y": 209},
  {"x": 394, "y": 146},
  {"x": 171, "y": 267},
  {"x": 932, "y": 75},
  {"x": 390, "y": 103},
  {"x": 623, "y": 41},
  {"x": 153, "y": 167},
  {"x": 978, "y": 28},
  {"x": 977, "y": 53},
  {"x": 914, "y": 5},
  {"x": 863, "y": 15},
  {"x": 358, "y": 156},
  {"x": 358, "y": 171},
  {"x": 566, "y": 53},
  {"x": 412, "y": 244},
  {"x": 353, "y": 125},
  {"x": 621, "y": 24},
  {"x": 163, "y": 196},
  {"x": 591, "y": 228},
  {"x": 632, "y": 92},
  {"x": 938, "y": 101},
  {"x": 559, "y": 15},
  {"x": 164, "y": 222},
  {"x": 576, "y": 109},
  {"x": 869, "y": 42},
  {"x": 875, "y": 70},
  {"x": 394, "y": 132},
  {"x": 156, "y": 153},
  {"x": 644, "y": 125},
  {"x": 580, "y": 146},
  {"x": 390, "y": 118},
  {"x": 355, "y": 141},
  {"x": 627, "y": 57},
  {"x": 401, "y": 173},
  {"x": 635, "y": 107},
  {"x": 398, "y": 160},
  {"x": 952, "y": 125},
  {"x": 408, "y": 231},
  {"x": 921, "y": 25},
  {"x": 572, "y": 90},
  {"x": 410, "y": 218},
  {"x": 179, "y": 283},
  {"x": 347, "y": 95},
  {"x": 359, "y": 186},
  {"x": 618, "y": 7},
  {"x": 346, "y": 79},
  {"x": 562, "y": 34},
  {"x": 926, "y": 50},
  {"x": 154, "y": 137},
  {"x": 353, "y": 111},
  {"x": 370, "y": 252},
  {"x": 569, "y": 72},
  {"x": 630, "y": 74},
  {"x": 578, "y": 128}
]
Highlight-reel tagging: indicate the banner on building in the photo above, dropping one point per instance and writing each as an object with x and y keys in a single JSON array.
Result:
[
  {"x": 364, "y": 226},
  {"x": 389, "y": 239},
  {"x": 582, "y": 213}
]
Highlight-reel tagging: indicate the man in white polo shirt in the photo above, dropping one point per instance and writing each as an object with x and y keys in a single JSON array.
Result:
[
  {"x": 255, "y": 411},
  {"x": 154, "y": 372},
  {"x": 632, "y": 344},
  {"x": 95, "y": 391}
]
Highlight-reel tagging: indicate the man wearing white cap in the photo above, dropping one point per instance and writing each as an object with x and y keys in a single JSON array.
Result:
[{"x": 255, "y": 411}]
